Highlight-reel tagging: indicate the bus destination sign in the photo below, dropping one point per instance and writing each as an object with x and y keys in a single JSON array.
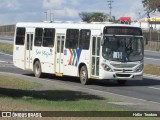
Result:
[{"x": 122, "y": 31}]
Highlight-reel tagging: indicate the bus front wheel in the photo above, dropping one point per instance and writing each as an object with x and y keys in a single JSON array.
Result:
[
  {"x": 37, "y": 69},
  {"x": 84, "y": 75}
]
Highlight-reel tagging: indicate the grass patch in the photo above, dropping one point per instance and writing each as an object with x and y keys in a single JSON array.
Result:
[
  {"x": 24, "y": 105},
  {"x": 60, "y": 100},
  {"x": 6, "y": 48},
  {"x": 17, "y": 94},
  {"x": 23, "y": 99},
  {"x": 152, "y": 69},
  {"x": 15, "y": 83}
]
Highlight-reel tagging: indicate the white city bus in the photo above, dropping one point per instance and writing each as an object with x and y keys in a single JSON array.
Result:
[{"x": 88, "y": 51}]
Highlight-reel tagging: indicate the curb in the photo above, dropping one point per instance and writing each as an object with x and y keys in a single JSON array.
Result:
[{"x": 152, "y": 76}]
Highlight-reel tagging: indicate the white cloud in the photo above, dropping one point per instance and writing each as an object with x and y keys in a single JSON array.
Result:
[
  {"x": 2, "y": 19},
  {"x": 57, "y": 3},
  {"x": 134, "y": 10},
  {"x": 64, "y": 9},
  {"x": 66, "y": 13},
  {"x": 74, "y": 2},
  {"x": 19, "y": 17},
  {"x": 11, "y": 4},
  {"x": 52, "y": 3},
  {"x": 71, "y": 12},
  {"x": 129, "y": 9}
]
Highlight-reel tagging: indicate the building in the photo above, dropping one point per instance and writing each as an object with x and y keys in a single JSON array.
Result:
[
  {"x": 146, "y": 23},
  {"x": 125, "y": 20}
]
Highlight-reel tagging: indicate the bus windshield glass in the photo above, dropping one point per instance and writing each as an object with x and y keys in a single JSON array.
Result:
[{"x": 123, "y": 48}]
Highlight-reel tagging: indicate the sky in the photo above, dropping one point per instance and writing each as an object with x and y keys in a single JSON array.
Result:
[{"x": 13, "y": 11}]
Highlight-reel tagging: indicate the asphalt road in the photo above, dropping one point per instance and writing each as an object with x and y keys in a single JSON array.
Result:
[
  {"x": 147, "y": 89},
  {"x": 10, "y": 38},
  {"x": 152, "y": 57}
]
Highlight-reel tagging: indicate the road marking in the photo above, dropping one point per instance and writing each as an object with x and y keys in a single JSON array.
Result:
[
  {"x": 151, "y": 59},
  {"x": 3, "y": 62},
  {"x": 7, "y": 67},
  {"x": 124, "y": 103},
  {"x": 5, "y": 54},
  {"x": 154, "y": 88},
  {"x": 6, "y": 62}
]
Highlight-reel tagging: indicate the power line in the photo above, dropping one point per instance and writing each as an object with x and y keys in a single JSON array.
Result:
[{"x": 110, "y": 8}]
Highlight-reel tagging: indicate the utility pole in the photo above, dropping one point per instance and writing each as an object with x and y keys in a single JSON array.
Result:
[
  {"x": 110, "y": 8},
  {"x": 51, "y": 15},
  {"x": 46, "y": 15}
]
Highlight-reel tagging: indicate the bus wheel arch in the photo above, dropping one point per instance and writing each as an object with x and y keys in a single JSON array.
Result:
[
  {"x": 37, "y": 68},
  {"x": 83, "y": 74}
]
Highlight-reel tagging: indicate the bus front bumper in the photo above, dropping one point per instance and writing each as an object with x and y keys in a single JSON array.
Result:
[{"x": 121, "y": 75}]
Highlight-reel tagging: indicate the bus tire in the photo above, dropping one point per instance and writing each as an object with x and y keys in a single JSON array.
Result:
[
  {"x": 84, "y": 75},
  {"x": 37, "y": 69},
  {"x": 121, "y": 82}
]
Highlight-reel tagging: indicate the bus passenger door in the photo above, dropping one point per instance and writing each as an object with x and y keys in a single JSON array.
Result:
[
  {"x": 60, "y": 54},
  {"x": 28, "y": 58},
  {"x": 96, "y": 40}
]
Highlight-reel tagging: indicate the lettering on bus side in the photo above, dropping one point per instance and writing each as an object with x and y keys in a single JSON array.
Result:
[{"x": 44, "y": 53}]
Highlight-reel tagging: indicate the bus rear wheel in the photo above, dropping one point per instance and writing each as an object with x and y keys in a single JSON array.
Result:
[
  {"x": 37, "y": 69},
  {"x": 84, "y": 75},
  {"x": 121, "y": 82}
]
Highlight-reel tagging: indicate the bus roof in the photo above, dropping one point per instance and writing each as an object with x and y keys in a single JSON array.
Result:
[{"x": 70, "y": 25}]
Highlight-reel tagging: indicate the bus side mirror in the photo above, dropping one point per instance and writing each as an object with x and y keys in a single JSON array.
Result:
[{"x": 102, "y": 42}]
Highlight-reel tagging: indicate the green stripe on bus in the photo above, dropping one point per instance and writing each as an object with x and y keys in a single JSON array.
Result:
[{"x": 74, "y": 54}]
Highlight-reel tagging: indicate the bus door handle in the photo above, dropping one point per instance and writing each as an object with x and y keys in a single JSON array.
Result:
[
  {"x": 57, "y": 60},
  {"x": 61, "y": 60}
]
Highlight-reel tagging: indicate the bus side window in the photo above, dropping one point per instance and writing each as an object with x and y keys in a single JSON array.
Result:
[
  {"x": 20, "y": 36},
  {"x": 48, "y": 38},
  {"x": 84, "y": 40},
  {"x": 38, "y": 36},
  {"x": 72, "y": 38}
]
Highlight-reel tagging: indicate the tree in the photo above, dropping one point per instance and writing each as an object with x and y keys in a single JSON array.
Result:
[
  {"x": 93, "y": 17},
  {"x": 85, "y": 16},
  {"x": 151, "y": 5}
]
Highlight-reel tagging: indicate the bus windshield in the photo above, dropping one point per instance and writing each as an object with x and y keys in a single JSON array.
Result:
[{"x": 123, "y": 48}]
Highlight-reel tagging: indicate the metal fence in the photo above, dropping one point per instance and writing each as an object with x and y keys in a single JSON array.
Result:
[
  {"x": 7, "y": 30},
  {"x": 152, "y": 37}
]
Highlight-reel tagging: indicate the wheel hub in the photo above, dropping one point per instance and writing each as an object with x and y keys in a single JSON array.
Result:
[
  {"x": 83, "y": 75},
  {"x": 37, "y": 69}
]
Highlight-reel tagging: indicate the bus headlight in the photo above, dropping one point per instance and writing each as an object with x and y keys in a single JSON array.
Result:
[
  {"x": 139, "y": 68},
  {"x": 106, "y": 67}
]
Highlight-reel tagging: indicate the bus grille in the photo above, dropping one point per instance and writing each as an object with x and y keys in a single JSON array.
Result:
[
  {"x": 121, "y": 70},
  {"x": 123, "y": 75},
  {"x": 123, "y": 65}
]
